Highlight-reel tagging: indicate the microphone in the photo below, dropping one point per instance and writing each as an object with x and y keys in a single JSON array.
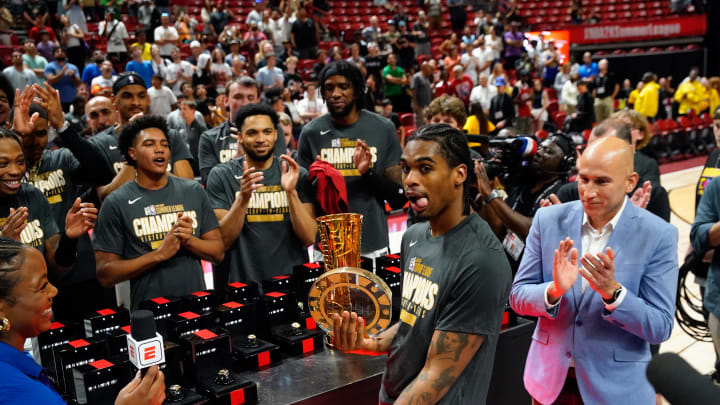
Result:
[
  {"x": 145, "y": 345},
  {"x": 679, "y": 383}
]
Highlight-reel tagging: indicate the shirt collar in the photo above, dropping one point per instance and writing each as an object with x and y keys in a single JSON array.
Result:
[
  {"x": 610, "y": 225},
  {"x": 20, "y": 360}
]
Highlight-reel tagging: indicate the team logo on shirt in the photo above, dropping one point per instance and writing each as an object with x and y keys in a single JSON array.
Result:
[
  {"x": 340, "y": 155},
  {"x": 33, "y": 233},
  {"x": 419, "y": 292},
  {"x": 51, "y": 183},
  {"x": 267, "y": 204},
  {"x": 227, "y": 154},
  {"x": 158, "y": 220}
]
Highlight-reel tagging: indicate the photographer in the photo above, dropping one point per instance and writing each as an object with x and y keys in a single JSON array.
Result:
[{"x": 511, "y": 218}]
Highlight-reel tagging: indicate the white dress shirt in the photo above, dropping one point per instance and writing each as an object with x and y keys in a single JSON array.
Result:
[
  {"x": 483, "y": 95},
  {"x": 594, "y": 242}
]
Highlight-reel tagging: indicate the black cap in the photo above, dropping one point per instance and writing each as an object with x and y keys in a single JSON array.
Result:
[
  {"x": 142, "y": 324},
  {"x": 127, "y": 79}
]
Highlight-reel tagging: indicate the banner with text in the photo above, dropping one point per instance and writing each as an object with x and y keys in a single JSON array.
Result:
[{"x": 685, "y": 26}]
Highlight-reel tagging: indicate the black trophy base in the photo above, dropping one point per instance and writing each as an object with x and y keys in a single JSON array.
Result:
[
  {"x": 298, "y": 342},
  {"x": 237, "y": 392},
  {"x": 255, "y": 356}
]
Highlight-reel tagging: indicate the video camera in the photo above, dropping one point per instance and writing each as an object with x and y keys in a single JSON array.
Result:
[{"x": 507, "y": 156}]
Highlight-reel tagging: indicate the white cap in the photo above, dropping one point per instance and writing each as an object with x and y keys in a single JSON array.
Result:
[{"x": 194, "y": 44}]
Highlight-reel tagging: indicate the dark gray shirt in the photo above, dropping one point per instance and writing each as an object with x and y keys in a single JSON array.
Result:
[
  {"x": 107, "y": 140},
  {"x": 336, "y": 145},
  {"x": 217, "y": 145},
  {"x": 133, "y": 221},
  {"x": 267, "y": 245},
  {"x": 423, "y": 89},
  {"x": 457, "y": 282}
]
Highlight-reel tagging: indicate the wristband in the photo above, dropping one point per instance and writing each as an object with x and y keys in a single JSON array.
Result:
[{"x": 66, "y": 252}]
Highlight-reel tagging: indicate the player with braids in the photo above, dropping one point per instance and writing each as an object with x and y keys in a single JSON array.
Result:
[{"x": 456, "y": 284}]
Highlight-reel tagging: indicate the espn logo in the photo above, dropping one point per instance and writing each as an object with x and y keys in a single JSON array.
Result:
[{"x": 146, "y": 353}]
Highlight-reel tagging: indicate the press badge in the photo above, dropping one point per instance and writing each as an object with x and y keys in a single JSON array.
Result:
[
  {"x": 513, "y": 245},
  {"x": 498, "y": 115}
]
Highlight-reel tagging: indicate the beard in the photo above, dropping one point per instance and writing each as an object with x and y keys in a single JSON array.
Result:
[
  {"x": 260, "y": 158},
  {"x": 344, "y": 112}
]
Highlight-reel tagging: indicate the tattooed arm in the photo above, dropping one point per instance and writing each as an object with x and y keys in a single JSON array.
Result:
[{"x": 447, "y": 357}]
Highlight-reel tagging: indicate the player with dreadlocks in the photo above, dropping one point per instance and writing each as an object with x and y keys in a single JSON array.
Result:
[{"x": 456, "y": 284}]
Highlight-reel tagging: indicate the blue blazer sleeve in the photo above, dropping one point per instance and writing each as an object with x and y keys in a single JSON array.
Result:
[
  {"x": 649, "y": 314},
  {"x": 527, "y": 296},
  {"x": 708, "y": 212}
]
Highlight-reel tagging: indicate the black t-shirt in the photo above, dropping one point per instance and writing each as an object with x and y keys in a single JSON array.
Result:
[
  {"x": 40, "y": 222},
  {"x": 374, "y": 66},
  {"x": 35, "y": 9},
  {"x": 59, "y": 175},
  {"x": 458, "y": 282},
  {"x": 336, "y": 145},
  {"x": 107, "y": 141},
  {"x": 133, "y": 221},
  {"x": 218, "y": 146},
  {"x": 267, "y": 245},
  {"x": 525, "y": 202},
  {"x": 604, "y": 85},
  {"x": 304, "y": 33}
]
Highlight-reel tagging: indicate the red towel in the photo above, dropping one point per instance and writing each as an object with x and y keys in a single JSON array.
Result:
[{"x": 331, "y": 187}]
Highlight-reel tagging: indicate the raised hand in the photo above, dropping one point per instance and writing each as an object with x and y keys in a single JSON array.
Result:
[
  {"x": 362, "y": 157},
  {"x": 23, "y": 123},
  {"x": 50, "y": 101},
  {"x": 249, "y": 181},
  {"x": 599, "y": 271},
  {"x": 641, "y": 196},
  {"x": 80, "y": 218},
  {"x": 565, "y": 269},
  {"x": 290, "y": 173},
  {"x": 15, "y": 223},
  {"x": 484, "y": 184},
  {"x": 551, "y": 200},
  {"x": 349, "y": 332},
  {"x": 147, "y": 390}
]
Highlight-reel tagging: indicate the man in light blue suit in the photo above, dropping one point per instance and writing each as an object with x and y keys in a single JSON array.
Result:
[{"x": 594, "y": 331}]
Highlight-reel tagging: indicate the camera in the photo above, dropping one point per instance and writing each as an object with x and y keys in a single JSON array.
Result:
[{"x": 508, "y": 157}]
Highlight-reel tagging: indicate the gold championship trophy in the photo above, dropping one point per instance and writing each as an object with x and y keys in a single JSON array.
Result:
[{"x": 345, "y": 286}]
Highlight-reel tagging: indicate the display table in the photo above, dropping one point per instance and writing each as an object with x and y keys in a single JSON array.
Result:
[{"x": 333, "y": 377}]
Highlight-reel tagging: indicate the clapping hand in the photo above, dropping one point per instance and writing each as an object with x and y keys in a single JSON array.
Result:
[
  {"x": 80, "y": 218},
  {"x": 551, "y": 200},
  {"x": 362, "y": 157},
  {"x": 23, "y": 123},
  {"x": 641, "y": 196},
  {"x": 15, "y": 223},
  {"x": 290, "y": 173},
  {"x": 250, "y": 181},
  {"x": 565, "y": 270},
  {"x": 599, "y": 271}
]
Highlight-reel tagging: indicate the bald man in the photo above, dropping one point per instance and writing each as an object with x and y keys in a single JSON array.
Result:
[
  {"x": 101, "y": 114},
  {"x": 600, "y": 274}
]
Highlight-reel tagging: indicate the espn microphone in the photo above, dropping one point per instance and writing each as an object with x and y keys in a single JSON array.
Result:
[
  {"x": 145, "y": 345},
  {"x": 679, "y": 383}
]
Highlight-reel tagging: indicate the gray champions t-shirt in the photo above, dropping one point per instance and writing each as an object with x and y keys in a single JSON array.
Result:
[
  {"x": 218, "y": 145},
  {"x": 267, "y": 245},
  {"x": 107, "y": 140},
  {"x": 40, "y": 222},
  {"x": 133, "y": 221},
  {"x": 456, "y": 282},
  {"x": 336, "y": 145}
]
